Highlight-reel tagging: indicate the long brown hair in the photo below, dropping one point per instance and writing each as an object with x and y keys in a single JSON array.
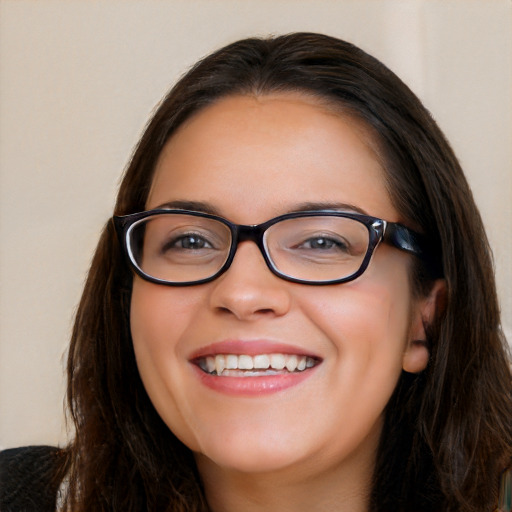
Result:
[{"x": 447, "y": 433}]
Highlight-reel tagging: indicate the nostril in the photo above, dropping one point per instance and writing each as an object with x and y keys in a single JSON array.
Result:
[{"x": 265, "y": 311}]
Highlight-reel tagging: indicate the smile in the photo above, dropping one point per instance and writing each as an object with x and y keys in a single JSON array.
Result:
[
  {"x": 260, "y": 365},
  {"x": 253, "y": 368}
]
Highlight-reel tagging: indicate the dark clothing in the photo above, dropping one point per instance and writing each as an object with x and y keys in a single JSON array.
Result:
[
  {"x": 27, "y": 479},
  {"x": 29, "y": 483}
]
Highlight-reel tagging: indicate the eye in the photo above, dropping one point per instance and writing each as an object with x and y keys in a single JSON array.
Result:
[
  {"x": 323, "y": 243},
  {"x": 188, "y": 241}
]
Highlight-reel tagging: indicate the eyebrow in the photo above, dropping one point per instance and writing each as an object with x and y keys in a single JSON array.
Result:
[
  {"x": 205, "y": 207},
  {"x": 307, "y": 207},
  {"x": 195, "y": 206}
]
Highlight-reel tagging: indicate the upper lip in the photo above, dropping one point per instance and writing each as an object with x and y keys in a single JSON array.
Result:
[{"x": 251, "y": 348}]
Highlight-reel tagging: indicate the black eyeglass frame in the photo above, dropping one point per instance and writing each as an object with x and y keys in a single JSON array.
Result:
[{"x": 394, "y": 234}]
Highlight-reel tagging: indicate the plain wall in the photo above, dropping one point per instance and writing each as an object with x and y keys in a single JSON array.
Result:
[{"x": 78, "y": 80}]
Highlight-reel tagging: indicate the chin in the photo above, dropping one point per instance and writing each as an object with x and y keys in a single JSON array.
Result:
[{"x": 249, "y": 459}]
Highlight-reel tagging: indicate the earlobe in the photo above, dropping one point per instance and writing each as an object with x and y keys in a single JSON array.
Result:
[{"x": 416, "y": 354}]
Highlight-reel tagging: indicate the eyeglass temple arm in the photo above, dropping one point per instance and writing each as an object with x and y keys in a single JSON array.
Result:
[
  {"x": 403, "y": 238},
  {"x": 119, "y": 223},
  {"x": 409, "y": 241}
]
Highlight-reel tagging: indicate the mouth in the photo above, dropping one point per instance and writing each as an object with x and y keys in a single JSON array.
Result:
[
  {"x": 253, "y": 368},
  {"x": 259, "y": 365}
]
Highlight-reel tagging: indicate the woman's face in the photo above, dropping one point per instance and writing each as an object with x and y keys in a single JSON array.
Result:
[{"x": 250, "y": 159}]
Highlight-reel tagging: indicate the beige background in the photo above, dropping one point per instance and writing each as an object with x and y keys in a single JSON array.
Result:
[{"x": 77, "y": 82}]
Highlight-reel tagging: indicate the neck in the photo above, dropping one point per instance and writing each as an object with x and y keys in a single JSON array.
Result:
[{"x": 343, "y": 488}]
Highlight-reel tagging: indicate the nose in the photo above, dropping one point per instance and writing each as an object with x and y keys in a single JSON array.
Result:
[{"x": 248, "y": 289}]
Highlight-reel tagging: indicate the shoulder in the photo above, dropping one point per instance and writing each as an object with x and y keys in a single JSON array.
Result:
[{"x": 28, "y": 478}]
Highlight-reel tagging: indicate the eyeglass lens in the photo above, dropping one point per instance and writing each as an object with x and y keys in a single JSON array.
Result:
[{"x": 186, "y": 248}]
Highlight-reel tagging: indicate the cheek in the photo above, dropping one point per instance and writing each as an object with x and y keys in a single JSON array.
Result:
[
  {"x": 367, "y": 320},
  {"x": 366, "y": 323},
  {"x": 157, "y": 320},
  {"x": 154, "y": 333},
  {"x": 159, "y": 314},
  {"x": 371, "y": 313}
]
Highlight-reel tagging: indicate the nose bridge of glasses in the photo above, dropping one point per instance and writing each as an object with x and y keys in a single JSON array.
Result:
[{"x": 245, "y": 233}]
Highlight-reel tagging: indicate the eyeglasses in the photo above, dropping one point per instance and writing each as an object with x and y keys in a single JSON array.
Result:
[{"x": 181, "y": 248}]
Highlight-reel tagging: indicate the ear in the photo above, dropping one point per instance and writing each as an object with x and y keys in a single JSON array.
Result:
[{"x": 416, "y": 354}]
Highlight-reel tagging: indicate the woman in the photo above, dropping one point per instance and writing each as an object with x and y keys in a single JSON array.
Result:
[{"x": 345, "y": 354}]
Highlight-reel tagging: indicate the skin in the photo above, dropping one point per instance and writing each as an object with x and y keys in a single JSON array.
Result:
[{"x": 311, "y": 446}]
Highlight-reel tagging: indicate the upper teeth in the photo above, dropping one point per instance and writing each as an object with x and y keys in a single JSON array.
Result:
[{"x": 221, "y": 362}]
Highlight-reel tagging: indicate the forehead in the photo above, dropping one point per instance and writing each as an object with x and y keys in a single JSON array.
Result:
[{"x": 252, "y": 157}]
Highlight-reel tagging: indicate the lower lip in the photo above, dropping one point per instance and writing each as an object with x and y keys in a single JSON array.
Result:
[{"x": 252, "y": 386}]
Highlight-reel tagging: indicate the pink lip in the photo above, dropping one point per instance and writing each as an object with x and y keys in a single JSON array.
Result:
[
  {"x": 250, "y": 386},
  {"x": 251, "y": 348}
]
